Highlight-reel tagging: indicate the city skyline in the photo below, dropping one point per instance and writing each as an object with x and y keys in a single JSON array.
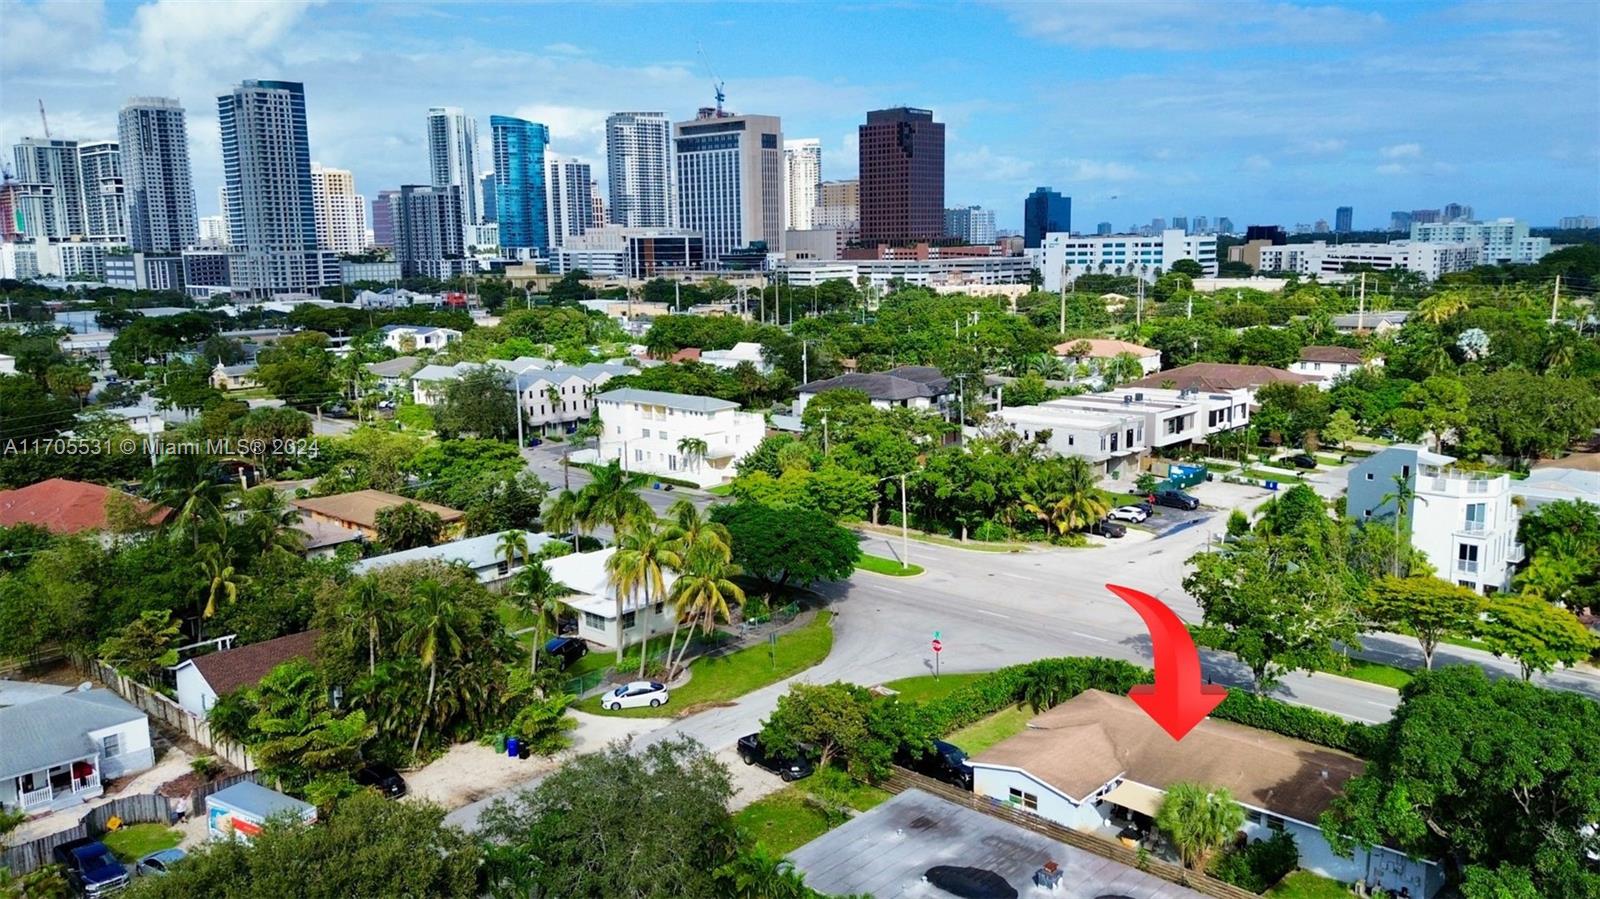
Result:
[{"x": 1276, "y": 113}]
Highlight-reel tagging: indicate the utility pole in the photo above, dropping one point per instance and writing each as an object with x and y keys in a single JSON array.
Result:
[
  {"x": 516, "y": 393},
  {"x": 805, "y": 362},
  {"x": 1554, "y": 301},
  {"x": 1361, "y": 309},
  {"x": 905, "y": 528},
  {"x": 1138, "y": 308},
  {"x": 824, "y": 435},
  {"x": 1063, "y": 328}
]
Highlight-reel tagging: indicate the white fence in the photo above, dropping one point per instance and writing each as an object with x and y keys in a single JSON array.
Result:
[{"x": 175, "y": 716}]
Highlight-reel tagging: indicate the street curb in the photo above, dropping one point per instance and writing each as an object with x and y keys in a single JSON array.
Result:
[{"x": 892, "y": 577}]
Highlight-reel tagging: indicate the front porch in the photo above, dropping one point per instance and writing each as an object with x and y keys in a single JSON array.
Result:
[{"x": 58, "y": 787}]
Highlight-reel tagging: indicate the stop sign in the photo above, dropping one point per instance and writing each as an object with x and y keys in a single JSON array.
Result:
[{"x": 938, "y": 646}]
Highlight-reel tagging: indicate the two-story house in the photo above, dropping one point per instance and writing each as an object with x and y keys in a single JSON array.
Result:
[
  {"x": 1324, "y": 364},
  {"x": 1464, "y": 521},
  {"x": 692, "y": 438},
  {"x": 1110, "y": 440},
  {"x": 411, "y": 338}
]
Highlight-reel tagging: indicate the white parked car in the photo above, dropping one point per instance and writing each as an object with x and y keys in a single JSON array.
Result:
[
  {"x": 1134, "y": 514},
  {"x": 634, "y": 694}
]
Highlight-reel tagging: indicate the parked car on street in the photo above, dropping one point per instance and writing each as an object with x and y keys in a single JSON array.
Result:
[
  {"x": 1303, "y": 460},
  {"x": 90, "y": 867},
  {"x": 158, "y": 863},
  {"x": 1134, "y": 514},
  {"x": 754, "y": 753},
  {"x": 635, "y": 694},
  {"x": 1177, "y": 499},
  {"x": 566, "y": 650},
  {"x": 382, "y": 778},
  {"x": 1108, "y": 528},
  {"x": 945, "y": 761}
]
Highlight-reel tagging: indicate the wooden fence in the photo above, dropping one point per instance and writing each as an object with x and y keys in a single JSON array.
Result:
[
  {"x": 197, "y": 798},
  {"x": 164, "y": 710},
  {"x": 902, "y": 780},
  {"x": 143, "y": 807}
]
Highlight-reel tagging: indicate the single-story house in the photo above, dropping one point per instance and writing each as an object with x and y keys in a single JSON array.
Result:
[
  {"x": 1361, "y": 322},
  {"x": 234, "y": 377},
  {"x": 323, "y": 539},
  {"x": 1098, "y": 763},
  {"x": 359, "y": 510},
  {"x": 1554, "y": 484},
  {"x": 21, "y": 692},
  {"x": 407, "y": 338},
  {"x": 743, "y": 351},
  {"x": 1325, "y": 363},
  {"x": 481, "y": 554},
  {"x": 204, "y": 678},
  {"x": 596, "y": 602},
  {"x": 394, "y": 374},
  {"x": 56, "y": 751},
  {"x": 67, "y": 507},
  {"x": 909, "y": 386},
  {"x": 1101, "y": 350}
]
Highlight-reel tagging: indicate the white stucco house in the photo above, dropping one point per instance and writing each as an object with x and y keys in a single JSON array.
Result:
[
  {"x": 411, "y": 338},
  {"x": 1099, "y": 764},
  {"x": 56, "y": 751},
  {"x": 1324, "y": 364},
  {"x": 481, "y": 554},
  {"x": 596, "y": 602},
  {"x": 646, "y": 431},
  {"x": 202, "y": 679}
]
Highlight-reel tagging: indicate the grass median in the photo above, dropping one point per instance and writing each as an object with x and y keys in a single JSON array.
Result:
[
  {"x": 721, "y": 679},
  {"x": 881, "y": 565}
]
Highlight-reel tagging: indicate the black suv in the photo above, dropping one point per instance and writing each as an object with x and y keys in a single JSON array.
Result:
[
  {"x": 382, "y": 778},
  {"x": 1303, "y": 460},
  {"x": 944, "y": 761},
  {"x": 91, "y": 868},
  {"x": 1108, "y": 528},
  {"x": 1177, "y": 499},
  {"x": 753, "y": 753},
  {"x": 566, "y": 650}
]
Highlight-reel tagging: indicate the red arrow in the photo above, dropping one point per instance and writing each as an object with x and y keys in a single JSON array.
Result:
[{"x": 1178, "y": 701}]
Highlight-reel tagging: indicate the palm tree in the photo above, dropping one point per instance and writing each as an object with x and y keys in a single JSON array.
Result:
[
  {"x": 539, "y": 594},
  {"x": 644, "y": 552},
  {"x": 366, "y": 607},
  {"x": 694, "y": 451},
  {"x": 221, "y": 579},
  {"x": 756, "y": 873},
  {"x": 512, "y": 543},
  {"x": 1440, "y": 308},
  {"x": 271, "y": 523},
  {"x": 612, "y": 496},
  {"x": 689, "y": 528},
  {"x": 1120, "y": 368},
  {"x": 702, "y": 591},
  {"x": 436, "y": 624},
  {"x": 1199, "y": 820},
  {"x": 565, "y": 513},
  {"x": 1069, "y": 499},
  {"x": 1403, "y": 495}
]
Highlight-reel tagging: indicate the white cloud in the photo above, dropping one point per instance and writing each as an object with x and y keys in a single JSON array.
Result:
[
  {"x": 1257, "y": 163},
  {"x": 1401, "y": 151},
  {"x": 1184, "y": 25},
  {"x": 1393, "y": 168},
  {"x": 1098, "y": 170},
  {"x": 984, "y": 164},
  {"x": 564, "y": 49},
  {"x": 1318, "y": 147}
]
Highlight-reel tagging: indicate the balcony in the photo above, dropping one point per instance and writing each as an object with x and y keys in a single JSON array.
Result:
[
  {"x": 1472, "y": 529},
  {"x": 1467, "y": 566}
]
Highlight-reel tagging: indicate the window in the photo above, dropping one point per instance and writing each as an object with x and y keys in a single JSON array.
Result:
[
  {"x": 1253, "y": 816},
  {"x": 659, "y": 607},
  {"x": 1027, "y": 800},
  {"x": 1275, "y": 823},
  {"x": 1369, "y": 475},
  {"x": 1467, "y": 557},
  {"x": 502, "y": 568},
  {"x": 593, "y": 621},
  {"x": 628, "y": 619},
  {"x": 1476, "y": 515},
  {"x": 111, "y": 745},
  {"x": 644, "y": 433}
]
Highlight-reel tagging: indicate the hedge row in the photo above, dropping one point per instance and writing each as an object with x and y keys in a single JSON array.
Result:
[{"x": 1007, "y": 686}]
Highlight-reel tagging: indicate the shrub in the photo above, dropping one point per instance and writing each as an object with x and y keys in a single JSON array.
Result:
[
  {"x": 1299, "y": 722},
  {"x": 1259, "y": 865},
  {"x": 991, "y": 532}
]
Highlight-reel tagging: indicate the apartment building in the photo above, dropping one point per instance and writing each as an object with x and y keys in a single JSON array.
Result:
[
  {"x": 1464, "y": 521},
  {"x": 1429, "y": 259},
  {"x": 650, "y": 431},
  {"x": 1062, "y": 257},
  {"x": 1500, "y": 241}
]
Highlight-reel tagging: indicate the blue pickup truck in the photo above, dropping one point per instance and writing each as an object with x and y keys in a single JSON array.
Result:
[{"x": 91, "y": 868}]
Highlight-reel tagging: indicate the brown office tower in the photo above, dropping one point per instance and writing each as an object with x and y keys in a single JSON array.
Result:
[{"x": 902, "y": 176}]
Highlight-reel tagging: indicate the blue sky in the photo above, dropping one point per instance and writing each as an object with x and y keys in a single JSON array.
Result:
[{"x": 1260, "y": 110}]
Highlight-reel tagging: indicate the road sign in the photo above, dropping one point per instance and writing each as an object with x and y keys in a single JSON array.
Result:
[
  {"x": 935, "y": 635},
  {"x": 938, "y": 646}
]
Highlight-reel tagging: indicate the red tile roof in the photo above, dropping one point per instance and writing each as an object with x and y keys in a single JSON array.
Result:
[
  {"x": 233, "y": 669},
  {"x": 65, "y": 507}
]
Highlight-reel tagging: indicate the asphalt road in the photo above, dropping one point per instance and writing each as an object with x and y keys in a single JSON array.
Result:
[{"x": 997, "y": 609}]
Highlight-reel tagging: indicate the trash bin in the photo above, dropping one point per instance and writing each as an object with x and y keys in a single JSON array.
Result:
[
  {"x": 499, "y": 742},
  {"x": 522, "y": 750},
  {"x": 511, "y": 746},
  {"x": 1272, "y": 485}
]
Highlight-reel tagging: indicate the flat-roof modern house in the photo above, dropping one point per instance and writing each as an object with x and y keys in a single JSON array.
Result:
[
  {"x": 1218, "y": 410},
  {"x": 68, "y": 507},
  {"x": 1110, "y": 440},
  {"x": 56, "y": 751},
  {"x": 202, "y": 679},
  {"x": 358, "y": 511},
  {"x": 1167, "y": 422},
  {"x": 699, "y": 439},
  {"x": 1465, "y": 522},
  {"x": 481, "y": 554},
  {"x": 595, "y": 601},
  {"x": 1098, "y": 763}
]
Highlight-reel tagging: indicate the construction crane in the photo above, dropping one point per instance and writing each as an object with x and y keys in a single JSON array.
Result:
[
  {"x": 716, "y": 83},
  {"x": 44, "y": 121}
]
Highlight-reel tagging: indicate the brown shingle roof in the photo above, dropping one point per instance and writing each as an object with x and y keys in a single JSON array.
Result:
[
  {"x": 362, "y": 506},
  {"x": 245, "y": 666},
  {"x": 65, "y": 507},
  {"x": 1082, "y": 744},
  {"x": 1344, "y": 354},
  {"x": 1219, "y": 376}
]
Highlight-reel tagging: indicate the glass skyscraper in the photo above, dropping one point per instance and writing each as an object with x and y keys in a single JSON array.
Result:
[
  {"x": 155, "y": 169},
  {"x": 1045, "y": 212},
  {"x": 519, "y": 189}
]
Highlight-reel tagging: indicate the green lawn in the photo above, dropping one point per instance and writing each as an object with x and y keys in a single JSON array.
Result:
[
  {"x": 942, "y": 540},
  {"x": 718, "y": 680},
  {"x": 132, "y": 842},
  {"x": 720, "y": 490},
  {"x": 1376, "y": 673},
  {"x": 925, "y": 687},
  {"x": 881, "y": 565},
  {"x": 1305, "y": 885},
  {"x": 1008, "y": 722},
  {"x": 783, "y": 821}
]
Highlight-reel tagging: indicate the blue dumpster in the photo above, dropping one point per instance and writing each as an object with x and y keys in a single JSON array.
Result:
[
  {"x": 1272, "y": 485},
  {"x": 511, "y": 746}
]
